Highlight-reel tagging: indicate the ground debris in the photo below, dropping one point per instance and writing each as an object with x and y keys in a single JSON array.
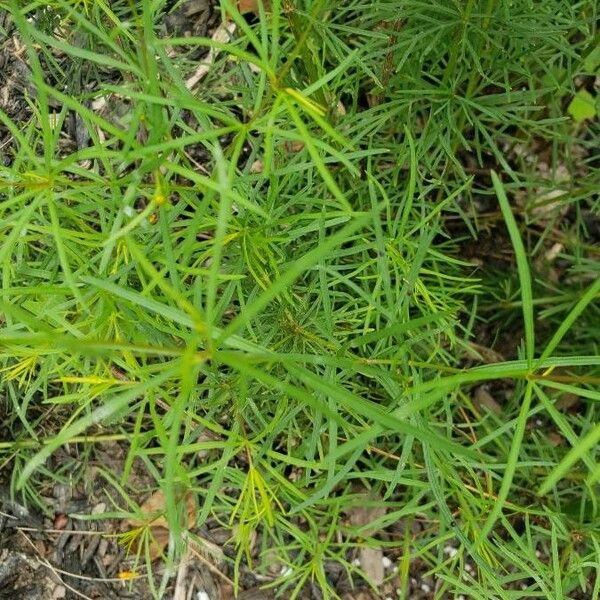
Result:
[{"x": 370, "y": 557}]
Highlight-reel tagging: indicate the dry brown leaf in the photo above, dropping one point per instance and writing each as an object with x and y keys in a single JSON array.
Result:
[
  {"x": 566, "y": 401},
  {"x": 477, "y": 352},
  {"x": 159, "y": 539},
  {"x": 293, "y": 146},
  {"x": 482, "y": 399},
  {"x": 555, "y": 438},
  {"x": 60, "y": 521},
  {"x": 247, "y": 6},
  {"x": 257, "y": 167},
  {"x": 154, "y": 509},
  {"x": 250, "y": 6}
]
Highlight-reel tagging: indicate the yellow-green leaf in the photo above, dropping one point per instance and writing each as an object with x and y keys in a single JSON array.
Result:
[{"x": 583, "y": 106}]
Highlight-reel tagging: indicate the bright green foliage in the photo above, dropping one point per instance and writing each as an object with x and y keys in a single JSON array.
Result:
[{"x": 273, "y": 288}]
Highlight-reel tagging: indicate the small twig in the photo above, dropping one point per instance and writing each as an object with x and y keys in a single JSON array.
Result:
[
  {"x": 473, "y": 438},
  {"x": 180, "y": 583},
  {"x": 60, "y": 531},
  {"x": 88, "y": 578}
]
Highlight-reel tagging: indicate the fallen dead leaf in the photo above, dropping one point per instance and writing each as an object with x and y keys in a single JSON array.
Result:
[
  {"x": 154, "y": 519},
  {"x": 477, "y": 351},
  {"x": 158, "y": 541},
  {"x": 483, "y": 400},
  {"x": 257, "y": 167},
  {"x": 154, "y": 509},
  {"x": 555, "y": 438},
  {"x": 566, "y": 401},
  {"x": 248, "y": 6},
  {"x": 252, "y": 6},
  {"x": 60, "y": 521},
  {"x": 293, "y": 147}
]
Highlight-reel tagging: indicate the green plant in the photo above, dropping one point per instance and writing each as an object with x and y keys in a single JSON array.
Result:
[{"x": 261, "y": 285}]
